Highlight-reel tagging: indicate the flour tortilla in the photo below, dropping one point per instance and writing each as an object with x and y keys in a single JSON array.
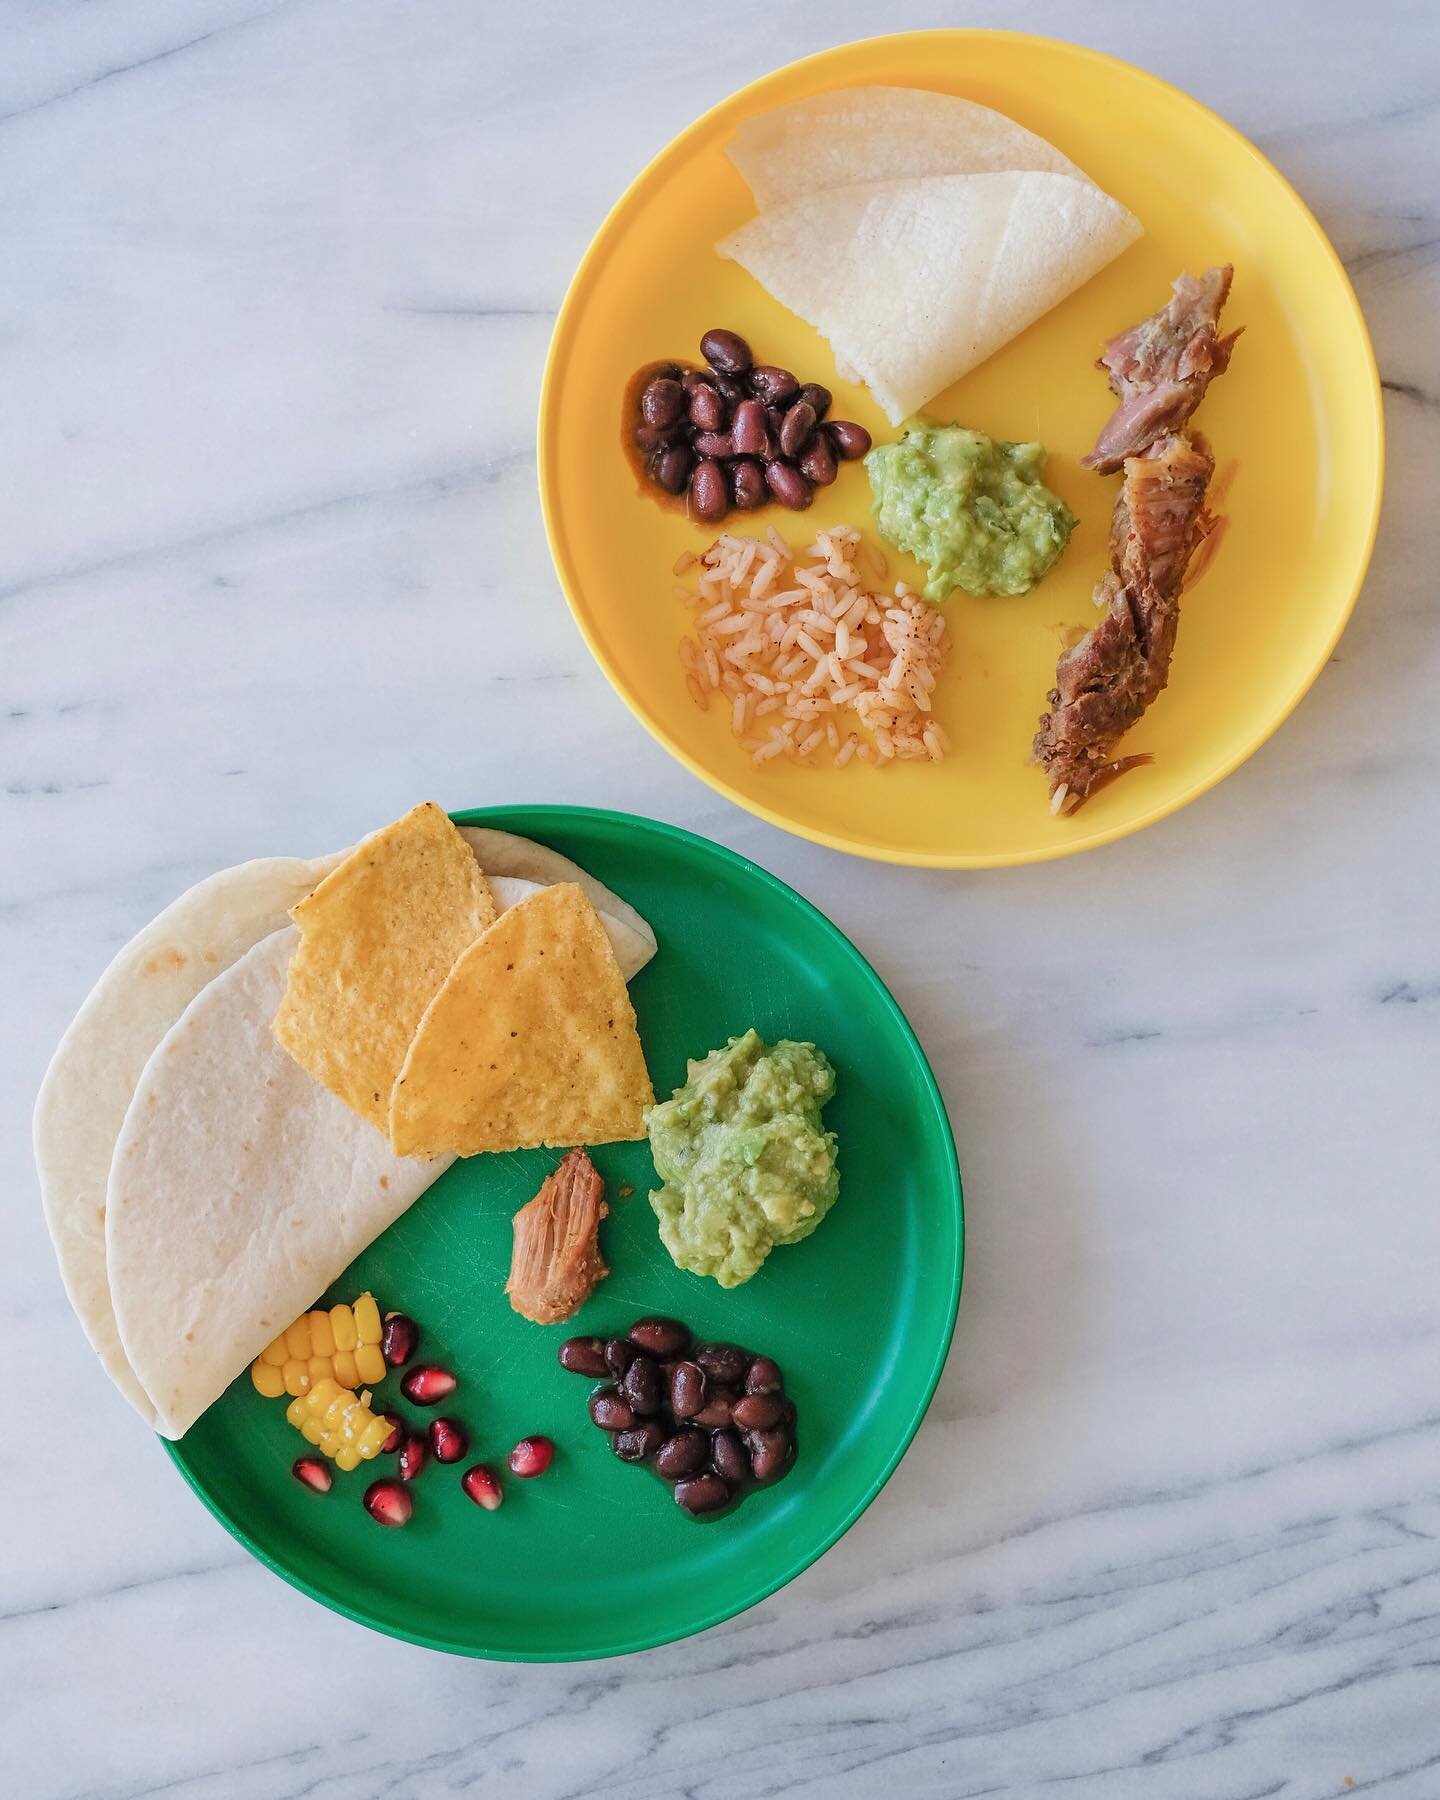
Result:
[
  {"x": 881, "y": 134},
  {"x": 239, "y": 1190},
  {"x": 502, "y": 853},
  {"x": 915, "y": 282},
  {"x": 92, "y": 1076},
  {"x": 632, "y": 951}
]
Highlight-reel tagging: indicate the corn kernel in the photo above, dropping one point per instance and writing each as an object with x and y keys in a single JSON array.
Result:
[
  {"x": 322, "y": 1338},
  {"x": 268, "y": 1379},
  {"x": 369, "y": 1363},
  {"x": 343, "y": 1363},
  {"x": 296, "y": 1377},
  {"x": 367, "y": 1319},
  {"x": 295, "y": 1413},
  {"x": 311, "y": 1430},
  {"x": 297, "y": 1339},
  {"x": 345, "y": 1458},
  {"x": 372, "y": 1437},
  {"x": 342, "y": 1327},
  {"x": 276, "y": 1351}
]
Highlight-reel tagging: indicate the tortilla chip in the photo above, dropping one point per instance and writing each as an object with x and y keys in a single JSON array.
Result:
[
  {"x": 377, "y": 939},
  {"x": 880, "y": 134},
  {"x": 530, "y": 1042},
  {"x": 915, "y": 282}
]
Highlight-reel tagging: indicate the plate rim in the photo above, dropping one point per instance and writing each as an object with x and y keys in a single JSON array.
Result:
[
  {"x": 571, "y": 586},
  {"x": 521, "y": 817}
]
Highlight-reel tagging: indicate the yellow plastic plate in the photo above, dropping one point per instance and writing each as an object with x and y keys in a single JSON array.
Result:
[{"x": 1295, "y": 425}]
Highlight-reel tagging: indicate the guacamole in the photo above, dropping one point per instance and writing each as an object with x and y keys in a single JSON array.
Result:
[
  {"x": 745, "y": 1161},
  {"x": 972, "y": 508}
]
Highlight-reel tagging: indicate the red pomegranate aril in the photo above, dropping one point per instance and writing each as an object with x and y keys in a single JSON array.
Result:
[
  {"x": 482, "y": 1485},
  {"x": 388, "y": 1502},
  {"x": 312, "y": 1473},
  {"x": 413, "y": 1456},
  {"x": 427, "y": 1384},
  {"x": 449, "y": 1440},
  {"x": 532, "y": 1456},
  {"x": 399, "y": 1339}
]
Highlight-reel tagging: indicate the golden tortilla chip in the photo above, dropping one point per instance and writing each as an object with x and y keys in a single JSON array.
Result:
[
  {"x": 377, "y": 939},
  {"x": 531, "y": 1041}
]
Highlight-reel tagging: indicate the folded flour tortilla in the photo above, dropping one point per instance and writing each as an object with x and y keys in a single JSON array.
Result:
[
  {"x": 239, "y": 1190},
  {"x": 914, "y": 282},
  {"x": 859, "y": 134},
  {"x": 92, "y": 1076}
]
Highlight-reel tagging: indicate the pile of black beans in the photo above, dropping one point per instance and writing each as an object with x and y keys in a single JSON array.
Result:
[
  {"x": 711, "y": 1418},
  {"x": 738, "y": 433}
]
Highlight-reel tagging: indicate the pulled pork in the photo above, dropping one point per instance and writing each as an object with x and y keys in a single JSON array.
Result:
[{"x": 556, "y": 1263}]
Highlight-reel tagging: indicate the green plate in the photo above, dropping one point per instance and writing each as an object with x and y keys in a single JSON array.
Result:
[{"x": 594, "y": 1558}]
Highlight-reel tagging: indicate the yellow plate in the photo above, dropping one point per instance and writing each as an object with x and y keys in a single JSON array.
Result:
[{"x": 1295, "y": 425}]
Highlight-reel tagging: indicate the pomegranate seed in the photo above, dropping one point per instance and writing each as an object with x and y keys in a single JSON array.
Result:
[
  {"x": 531, "y": 1457},
  {"x": 482, "y": 1484},
  {"x": 399, "y": 1339},
  {"x": 427, "y": 1384},
  {"x": 412, "y": 1457},
  {"x": 397, "y": 1434},
  {"x": 312, "y": 1473},
  {"x": 388, "y": 1502},
  {"x": 449, "y": 1440}
]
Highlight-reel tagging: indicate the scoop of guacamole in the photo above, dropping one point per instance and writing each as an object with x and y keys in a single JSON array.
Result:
[
  {"x": 744, "y": 1158},
  {"x": 970, "y": 507}
]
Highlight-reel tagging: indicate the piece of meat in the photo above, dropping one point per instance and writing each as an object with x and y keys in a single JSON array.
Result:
[
  {"x": 556, "y": 1262},
  {"x": 1160, "y": 368},
  {"x": 1104, "y": 684}
]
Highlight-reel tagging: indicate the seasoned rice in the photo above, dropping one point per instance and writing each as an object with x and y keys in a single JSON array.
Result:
[{"x": 811, "y": 658}]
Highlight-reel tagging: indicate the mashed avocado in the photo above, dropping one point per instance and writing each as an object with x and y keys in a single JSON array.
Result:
[
  {"x": 972, "y": 508},
  {"x": 745, "y": 1161}
]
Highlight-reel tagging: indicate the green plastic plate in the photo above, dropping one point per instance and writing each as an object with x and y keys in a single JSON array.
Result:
[{"x": 594, "y": 1558}]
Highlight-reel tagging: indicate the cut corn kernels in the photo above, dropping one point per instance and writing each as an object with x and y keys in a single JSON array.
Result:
[
  {"x": 343, "y": 1342},
  {"x": 339, "y": 1423}
]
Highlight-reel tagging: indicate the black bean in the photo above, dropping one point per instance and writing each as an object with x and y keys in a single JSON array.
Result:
[
  {"x": 682, "y": 1454},
  {"x": 773, "y": 385},
  {"x": 716, "y": 1410},
  {"x": 788, "y": 485},
  {"x": 639, "y": 1441},
  {"x": 728, "y": 1458},
  {"x": 584, "y": 1356},
  {"x": 750, "y": 430},
  {"x": 797, "y": 428},
  {"x": 709, "y": 492},
  {"x": 729, "y": 390},
  {"x": 695, "y": 378},
  {"x": 747, "y": 484},
  {"x": 649, "y": 437},
  {"x": 641, "y": 1385},
  {"x": 702, "y": 1494},
  {"x": 817, "y": 398},
  {"x": 770, "y": 1453},
  {"x": 662, "y": 402},
  {"x": 757, "y": 1412},
  {"x": 818, "y": 464},
  {"x": 763, "y": 1376},
  {"x": 619, "y": 1354},
  {"x": 707, "y": 409},
  {"x": 687, "y": 1389},
  {"x": 672, "y": 467},
  {"x": 848, "y": 440},
  {"x": 716, "y": 444},
  {"x": 726, "y": 351},
  {"x": 724, "y": 1363},
  {"x": 610, "y": 1411},
  {"x": 660, "y": 1337}
]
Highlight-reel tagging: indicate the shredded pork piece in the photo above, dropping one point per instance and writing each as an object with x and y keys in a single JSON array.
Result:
[
  {"x": 556, "y": 1262},
  {"x": 1160, "y": 368}
]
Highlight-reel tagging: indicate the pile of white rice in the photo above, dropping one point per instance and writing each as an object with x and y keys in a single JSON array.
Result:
[{"x": 811, "y": 659}]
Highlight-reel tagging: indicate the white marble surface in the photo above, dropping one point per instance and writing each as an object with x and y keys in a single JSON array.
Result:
[{"x": 278, "y": 280}]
